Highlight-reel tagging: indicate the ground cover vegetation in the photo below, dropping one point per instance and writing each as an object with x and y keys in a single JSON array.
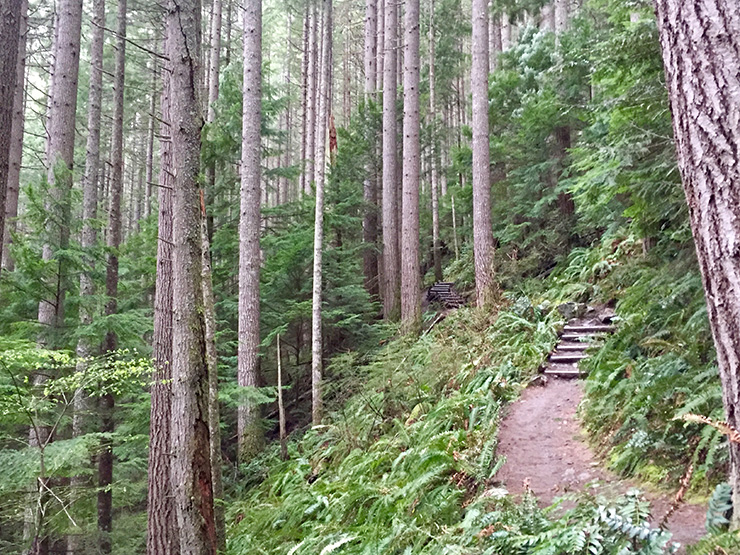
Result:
[{"x": 587, "y": 207}]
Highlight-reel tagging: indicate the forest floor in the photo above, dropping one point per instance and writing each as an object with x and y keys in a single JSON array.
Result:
[{"x": 546, "y": 452}]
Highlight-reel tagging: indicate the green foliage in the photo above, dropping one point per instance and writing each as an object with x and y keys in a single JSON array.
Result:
[{"x": 411, "y": 437}]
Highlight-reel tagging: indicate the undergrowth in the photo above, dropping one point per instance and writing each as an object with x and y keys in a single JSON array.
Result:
[{"x": 406, "y": 461}]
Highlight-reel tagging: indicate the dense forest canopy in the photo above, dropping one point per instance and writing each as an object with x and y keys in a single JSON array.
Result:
[{"x": 272, "y": 272}]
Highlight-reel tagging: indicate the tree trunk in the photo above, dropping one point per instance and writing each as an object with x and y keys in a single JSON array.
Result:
[
  {"x": 370, "y": 191},
  {"x": 482, "y": 233},
  {"x": 209, "y": 301},
  {"x": 313, "y": 60},
  {"x": 249, "y": 432},
  {"x": 506, "y": 31},
  {"x": 391, "y": 280},
  {"x": 380, "y": 47},
  {"x": 149, "y": 177},
  {"x": 436, "y": 248},
  {"x": 304, "y": 95},
  {"x": 410, "y": 267},
  {"x": 560, "y": 15},
  {"x": 89, "y": 230},
  {"x": 105, "y": 458},
  {"x": 15, "y": 152},
  {"x": 191, "y": 465},
  {"x": 494, "y": 42},
  {"x": 281, "y": 407},
  {"x": 700, "y": 42},
  {"x": 162, "y": 538},
  {"x": 10, "y": 26},
  {"x": 324, "y": 97},
  {"x": 60, "y": 151}
]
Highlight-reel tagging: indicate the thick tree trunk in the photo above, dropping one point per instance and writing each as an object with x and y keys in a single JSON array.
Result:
[
  {"x": 15, "y": 152},
  {"x": 482, "y": 233},
  {"x": 391, "y": 281},
  {"x": 434, "y": 185},
  {"x": 370, "y": 191},
  {"x": 410, "y": 267},
  {"x": 249, "y": 433},
  {"x": 162, "y": 538},
  {"x": 191, "y": 465},
  {"x": 324, "y": 98},
  {"x": 700, "y": 43},
  {"x": 10, "y": 25}
]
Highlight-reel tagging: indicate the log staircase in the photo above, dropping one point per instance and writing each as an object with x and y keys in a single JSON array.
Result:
[
  {"x": 443, "y": 292},
  {"x": 576, "y": 338}
]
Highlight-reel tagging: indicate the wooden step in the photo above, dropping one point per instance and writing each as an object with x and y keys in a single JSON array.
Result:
[
  {"x": 588, "y": 328},
  {"x": 579, "y": 348},
  {"x": 578, "y": 337},
  {"x": 572, "y": 357},
  {"x": 564, "y": 372}
]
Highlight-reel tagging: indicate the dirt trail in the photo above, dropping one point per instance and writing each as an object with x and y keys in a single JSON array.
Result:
[{"x": 545, "y": 450}]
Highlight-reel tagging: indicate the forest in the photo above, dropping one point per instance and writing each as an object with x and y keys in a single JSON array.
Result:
[{"x": 369, "y": 277}]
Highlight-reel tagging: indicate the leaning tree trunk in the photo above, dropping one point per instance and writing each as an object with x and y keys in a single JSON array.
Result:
[
  {"x": 191, "y": 465},
  {"x": 15, "y": 152},
  {"x": 482, "y": 233},
  {"x": 700, "y": 42},
  {"x": 249, "y": 433},
  {"x": 322, "y": 124},
  {"x": 391, "y": 281},
  {"x": 162, "y": 538},
  {"x": 410, "y": 268}
]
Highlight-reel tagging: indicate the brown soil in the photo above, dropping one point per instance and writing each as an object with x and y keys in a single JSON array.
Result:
[{"x": 545, "y": 451}]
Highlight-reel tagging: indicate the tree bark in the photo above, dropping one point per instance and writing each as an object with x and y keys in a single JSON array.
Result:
[
  {"x": 391, "y": 281},
  {"x": 89, "y": 230},
  {"x": 60, "y": 153},
  {"x": 249, "y": 432},
  {"x": 313, "y": 64},
  {"x": 324, "y": 97},
  {"x": 149, "y": 176},
  {"x": 560, "y": 14},
  {"x": 506, "y": 31},
  {"x": 304, "y": 95},
  {"x": 482, "y": 232},
  {"x": 410, "y": 274},
  {"x": 15, "y": 151},
  {"x": 191, "y": 465},
  {"x": 370, "y": 191},
  {"x": 10, "y": 25},
  {"x": 162, "y": 538},
  {"x": 106, "y": 402},
  {"x": 209, "y": 301},
  {"x": 434, "y": 185},
  {"x": 700, "y": 43}
]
